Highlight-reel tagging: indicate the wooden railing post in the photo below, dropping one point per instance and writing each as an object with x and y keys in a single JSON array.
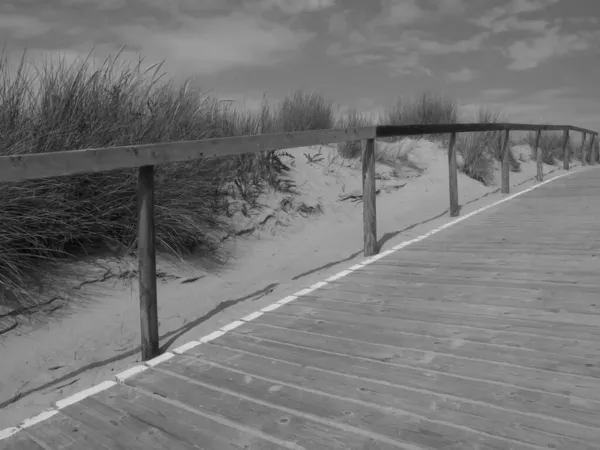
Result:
[
  {"x": 583, "y": 155},
  {"x": 506, "y": 163},
  {"x": 453, "y": 176},
  {"x": 369, "y": 198},
  {"x": 147, "y": 263},
  {"x": 565, "y": 149},
  {"x": 539, "y": 156},
  {"x": 593, "y": 150}
]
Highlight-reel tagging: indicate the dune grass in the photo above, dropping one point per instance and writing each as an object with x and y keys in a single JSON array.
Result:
[
  {"x": 59, "y": 106},
  {"x": 551, "y": 145}
]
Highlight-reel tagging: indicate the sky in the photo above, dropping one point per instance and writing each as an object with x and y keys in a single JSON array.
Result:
[{"x": 535, "y": 60}]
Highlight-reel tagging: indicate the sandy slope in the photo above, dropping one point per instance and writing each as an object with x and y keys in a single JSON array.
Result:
[{"x": 295, "y": 241}]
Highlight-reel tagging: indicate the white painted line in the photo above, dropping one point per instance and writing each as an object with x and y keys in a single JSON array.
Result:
[
  {"x": 212, "y": 336},
  {"x": 288, "y": 299},
  {"x": 159, "y": 359},
  {"x": 271, "y": 307},
  {"x": 251, "y": 317},
  {"x": 60, "y": 404},
  {"x": 231, "y": 326},
  {"x": 122, "y": 376},
  {"x": 339, "y": 275},
  {"x": 185, "y": 347},
  {"x": 355, "y": 266},
  {"x": 37, "y": 419},
  {"x": 8, "y": 432}
]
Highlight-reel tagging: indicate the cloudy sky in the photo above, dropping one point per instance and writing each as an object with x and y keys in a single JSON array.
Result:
[{"x": 537, "y": 60}]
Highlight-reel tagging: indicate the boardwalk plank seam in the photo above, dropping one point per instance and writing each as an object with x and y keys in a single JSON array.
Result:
[
  {"x": 122, "y": 376},
  {"x": 386, "y": 383}
]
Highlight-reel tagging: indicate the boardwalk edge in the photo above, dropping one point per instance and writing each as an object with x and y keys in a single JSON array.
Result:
[{"x": 122, "y": 376}]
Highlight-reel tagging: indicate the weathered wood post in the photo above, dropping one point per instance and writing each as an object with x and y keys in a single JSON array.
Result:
[
  {"x": 506, "y": 163},
  {"x": 453, "y": 176},
  {"x": 369, "y": 198},
  {"x": 539, "y": 156},
  {"x": 583, "y": 155},
  {"x": 565, "y": 149},
  {"x": 147, "y": 263},
  {"x": 593, "y": 150}
]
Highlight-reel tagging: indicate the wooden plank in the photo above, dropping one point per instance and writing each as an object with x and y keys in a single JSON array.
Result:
[
  {"x": 451, "y": 317},
  {"x": 369, "y": 198},
  {"x": 394, "y": 421},
  {"x": 351, "y": 314},
  {"x": 306, "y": 431},
  {"x": 55, "y": 164},
  {"x": 422, "y": 129},
  {"x": 147, "y": 264},
  {"x": 453, "y": 176},
  {"x": 485, "y": 272},
  {"x": 62, "y": 432},
  {"x": 216, "y": 364},
  {"x": 528, "y": 377},
  {"x": 413, "y": 255},
  {"x": 566, "y": 407},
  {"x": 556, "y": 362},
  {"x": 565, "y": 150},
  {"x": 506, "y": 163},
  {"x": 21, "y": 441},
  {"x": 118, "y": 430},
  {"x": 361, "y": 278},
  {"x": 440, "y": 260},
  {"x": 194, "y": 429},
  {"x": 539, "y": 157}
]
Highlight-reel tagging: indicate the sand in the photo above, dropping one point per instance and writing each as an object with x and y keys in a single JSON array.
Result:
[{"x": 293, "y": 242}]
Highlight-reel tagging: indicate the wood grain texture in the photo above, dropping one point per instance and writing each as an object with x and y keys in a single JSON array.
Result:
[
  {"x": 505, "y": 188},
  {"x": 566, "y": 150},
  {"x": 72, "y": 162},
  {"x": 63, "y": 163},
  {"x": 147, "y": 264},
  {"x": 369, "y": 198},
  {"x": 453, "y": 177},
  {"x": 593, "y": 150},
  {"x": 484, "y": 336},
  {"x": 423, "y": 129},
  {"x": 539, "y": 157},
  {"x": 584, "y": 159}
]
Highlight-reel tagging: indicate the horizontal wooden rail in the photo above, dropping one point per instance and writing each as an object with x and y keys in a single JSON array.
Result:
[
  {"x": 414, "y": 130},
  {"x": 145, "y": 157},
  {"x": 72, "y": 162}
]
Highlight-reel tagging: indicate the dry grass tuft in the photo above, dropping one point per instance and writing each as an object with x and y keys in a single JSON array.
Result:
[{"x": 57, "y": 106}]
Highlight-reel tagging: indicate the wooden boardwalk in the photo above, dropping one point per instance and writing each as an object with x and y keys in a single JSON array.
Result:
[{"x": 485, "y": 335}]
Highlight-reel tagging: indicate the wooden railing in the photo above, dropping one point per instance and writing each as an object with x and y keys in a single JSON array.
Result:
[{"x": 145, "y": 157}]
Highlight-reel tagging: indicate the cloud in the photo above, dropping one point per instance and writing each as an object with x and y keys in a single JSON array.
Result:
[
  {"x": 510, "y": 12},
  {"x": 451, "y": 6},
  {"x": 297, "y": 6},
  {"x": 363, "y": 58},
  {"x": 407, "y": 64},
  {"x": 462, "y": 75},
  {"x": 401, "y": 12},
  {"x": 512, "y": 23},
  {"x": 527, "y": 54},
  {"x": 212, "y": 45},
  {"x": 441, "y": 48},
  {"x": 21, "y": 26},
  {"x": 338, "y": 24}
]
